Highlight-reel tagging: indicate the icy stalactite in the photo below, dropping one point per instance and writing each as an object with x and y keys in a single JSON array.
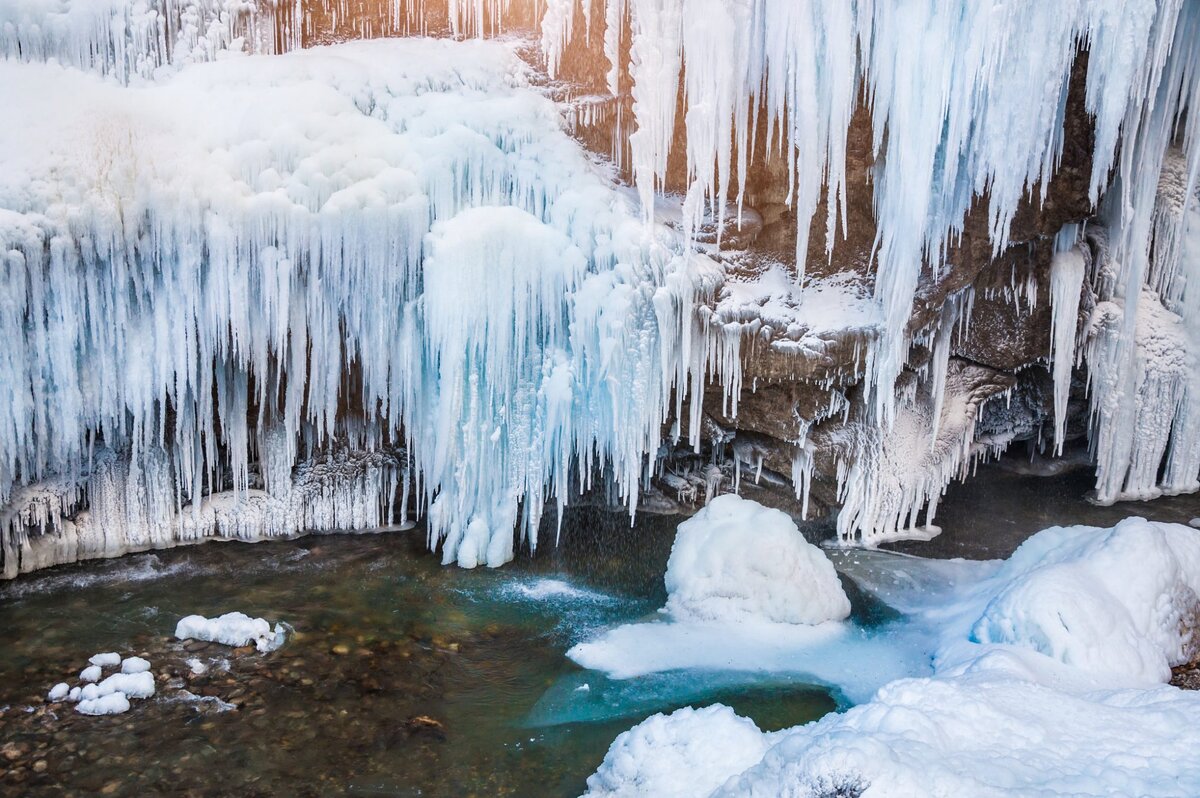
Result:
[
  {"x": 1137, "y": 382},
  {"x": 1067, "y": 272},
  {"x": 388, "y": 244},
  {"x": 131, "y": 40},
  {"x": 966, "y": 98},
  {"x": 888, "y": 475}
]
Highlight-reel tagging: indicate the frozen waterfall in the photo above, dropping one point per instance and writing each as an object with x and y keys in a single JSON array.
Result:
[{"x": 246, "y": 295}]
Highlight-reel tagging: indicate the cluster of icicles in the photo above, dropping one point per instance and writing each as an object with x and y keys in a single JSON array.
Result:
[{"x": 472, "y": 298}]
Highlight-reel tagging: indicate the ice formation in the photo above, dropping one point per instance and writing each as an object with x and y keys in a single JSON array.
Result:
[
  {"x": 134, "y": 665},
  {"x": 257, "y": 295},
  {"x": 91, "y": 673},
  {"x": 109, "y": 704},
  {"x": 736, "y": 560},
  {"x": 1037, "y": 691},
  {"x": 232, "y": 629},
  {"x": 59, "y": 692},
  {"x": 108, "y": 659}
]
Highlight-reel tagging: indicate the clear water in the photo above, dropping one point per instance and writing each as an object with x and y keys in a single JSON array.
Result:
[{"x": 404, "y": 677}]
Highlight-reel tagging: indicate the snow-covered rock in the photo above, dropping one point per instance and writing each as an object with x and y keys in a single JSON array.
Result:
[
  {"x": 109, "y": 704},
  {"x": 134, "y": 665},
  {"x": 91, "y": 673},
  {"x": 133, "y": 685},
  {"x": 1044, "y": 683},
  {"x": 232, "y": 629},
  {"x": 59, "y": 691},
  {"x": 1121, "y": 602},
  {"x": 689, "y": 752},
  {"x": 109, "y": 659},
  {"x": 737, "y": 560}
]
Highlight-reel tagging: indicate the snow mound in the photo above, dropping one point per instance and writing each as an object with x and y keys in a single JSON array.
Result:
[
  {"x": 133, "y": 685},
  {"x": 59, "y": 691},
  {"x": 988, "y": 735},
  {"x": 91, "y": 673},
  {"x": 232, "y": 629},
  {"x": 1121, "y": 603},
  {"x": 111, "y": 704},
  {"x": 689, "y": 752},
  {"x": 1043, "y": 681},
  {"x": 134, "y": 665},
  {"x": 737, "y": 560},
  {"x": 107, "y": 660}
]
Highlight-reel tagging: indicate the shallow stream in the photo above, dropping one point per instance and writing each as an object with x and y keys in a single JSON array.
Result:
[{"x": 403, "y": 677}]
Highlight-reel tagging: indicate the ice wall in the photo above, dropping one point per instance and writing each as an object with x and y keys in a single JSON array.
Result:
[
  {"x": 353, "y": 200},
  {"x": 381, "y": 247}
]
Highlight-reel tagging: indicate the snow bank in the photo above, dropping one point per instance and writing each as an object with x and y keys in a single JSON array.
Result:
[
  {"x": 737, "y": 560},
  {"x": 1043, "y": 682},
  {"x": 1121, "y": 603},
  {"x": 992, "y": 734},
  {"x": 232, "y": 629},
  {"x": 689, "y": 752},
  {"x": 111, "y": 704}
]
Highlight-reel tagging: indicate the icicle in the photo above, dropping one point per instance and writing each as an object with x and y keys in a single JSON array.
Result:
[{"x": 1067, "y": 271}]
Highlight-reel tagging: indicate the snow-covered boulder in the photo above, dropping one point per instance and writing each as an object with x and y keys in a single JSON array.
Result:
[
  {"x": 737, "y": 560},
  {"x": 134, "y": 665},
  {"x": 232, "y": 629},
  {"x": 1123, "y": 603},
  {"x": 690, "y": 752},
  {"x": 109, "y": 659},
  {"x": 91, "y": 673},
  {"x": 111, "y": 704},
  {"x": 133, "y": 685},
  {"x": 59, "y": 691}
]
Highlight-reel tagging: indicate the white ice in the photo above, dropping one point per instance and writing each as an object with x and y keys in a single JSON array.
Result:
[
  {"x": 108, "y": 704},
  {"x": 737, "y": 560},
  {"x": 108, "y": 659},
  {"x": 232, "y": 629},
  {"x": 91, "y": 673},
  {"x": 689, "y": 752},
  {"x": 59, "y": 691},
  {"x": 134, "y": 665}
]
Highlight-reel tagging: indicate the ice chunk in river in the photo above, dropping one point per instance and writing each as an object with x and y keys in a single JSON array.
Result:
[
  {"x": 232, "y": 629},
  {"x": 134, "y": 665},
  {"x": 111, "y": 704},
  {"x": 133, "y": 685}
]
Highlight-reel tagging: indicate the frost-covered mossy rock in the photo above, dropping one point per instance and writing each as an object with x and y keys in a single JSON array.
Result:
[{"x": 738, "y": 560}]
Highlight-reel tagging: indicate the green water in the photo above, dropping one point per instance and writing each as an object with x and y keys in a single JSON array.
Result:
[{"x": 404, "y": 677}]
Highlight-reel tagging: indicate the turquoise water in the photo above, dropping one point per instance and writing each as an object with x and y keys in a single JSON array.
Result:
[{"x": 404, "y": 677}]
